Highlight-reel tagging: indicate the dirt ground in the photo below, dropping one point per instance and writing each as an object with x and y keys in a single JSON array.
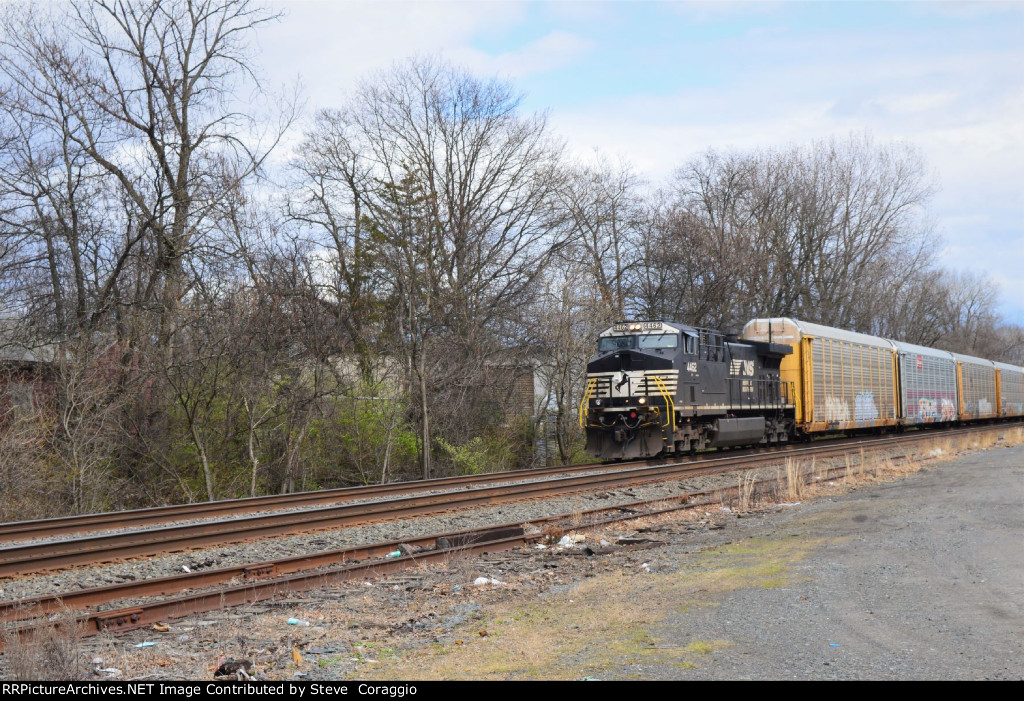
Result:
[{"x": 918, "y": 577}]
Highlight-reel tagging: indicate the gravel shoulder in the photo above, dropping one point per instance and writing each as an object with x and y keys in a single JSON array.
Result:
[{"x": 918, "y": 579}]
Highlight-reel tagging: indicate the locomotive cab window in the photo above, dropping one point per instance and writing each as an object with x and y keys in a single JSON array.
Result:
[
  {"x": 689, "y": 344},
  {"x": 612, "y": 343},
  {"x": 659, "y": 341}
]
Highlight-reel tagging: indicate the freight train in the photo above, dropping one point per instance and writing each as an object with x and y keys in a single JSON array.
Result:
[{"x": 660, "y": 388}]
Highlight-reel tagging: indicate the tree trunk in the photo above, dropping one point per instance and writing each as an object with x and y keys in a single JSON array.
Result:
[
  {"x": 424, "y": 407},
  {"x": 254, "y": 459},
  {"x": 206, "y": 462}
]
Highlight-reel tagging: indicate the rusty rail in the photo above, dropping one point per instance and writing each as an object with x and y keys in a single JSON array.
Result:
[
  {"x": 307, "y": 575},
  {"x": 60, "y": 554}
]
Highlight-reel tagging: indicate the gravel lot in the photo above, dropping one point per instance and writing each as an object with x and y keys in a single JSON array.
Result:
[{"x": 917, "y": 579}]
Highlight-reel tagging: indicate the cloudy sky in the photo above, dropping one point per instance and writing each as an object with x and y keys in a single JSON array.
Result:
[{"x": 659, "y": 82}]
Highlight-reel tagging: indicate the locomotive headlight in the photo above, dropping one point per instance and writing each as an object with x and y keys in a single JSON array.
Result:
[{"x": 641, "y": 401}]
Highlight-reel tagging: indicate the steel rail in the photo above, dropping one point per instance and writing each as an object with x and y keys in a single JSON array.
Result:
[
  {"x": 482, "y": 540},
  {"x": 39, "y": 557},
  {"x": 162, "y": 586},
  {"x": 65, "y": 525},
  {"x": 60, "y": 554},
  {"x": 24, "y": 530}
]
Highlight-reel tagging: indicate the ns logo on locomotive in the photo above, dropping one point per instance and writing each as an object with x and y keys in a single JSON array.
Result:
[{"x": 660, "y": 388}]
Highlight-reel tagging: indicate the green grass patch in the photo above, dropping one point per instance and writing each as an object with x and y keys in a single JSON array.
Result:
[{"x": 705, "y": 647}]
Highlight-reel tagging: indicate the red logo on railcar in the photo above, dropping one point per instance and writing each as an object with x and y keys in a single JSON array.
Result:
[{"x": 920, "y": 363}]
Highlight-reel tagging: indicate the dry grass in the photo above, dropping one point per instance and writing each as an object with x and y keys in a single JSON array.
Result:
[
  {"x": 576, "y": 518},
  {"x": 53, "y": 652},
  {"x": 794, "y": 480},
  {"x": 949, "y": 448},
  {"x": 803, "y": 480},
  {"x": 798, "y": 480},
  {"x": 552, "y": 534},
  {"x": 462, "y": 563},
  {"x": 745, "y": 490},
  {"x": 1014, "y": 436},
  {"x": 869, "y": 468}
]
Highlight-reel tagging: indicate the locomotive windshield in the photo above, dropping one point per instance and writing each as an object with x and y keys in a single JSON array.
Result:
[
  {"x": 610, "y": 343},
  {"x": 661, "y": 340},
  {"x": 646, "y": 342}
]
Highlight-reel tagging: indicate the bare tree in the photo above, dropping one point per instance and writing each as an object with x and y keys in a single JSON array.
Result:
[
  {"x": 969, "y": 313},
  {"x": 457, "y": 191},
  {"x": 63, "y": 225},
  {"x": 692, "y": 271},
  {"x": 86, "y": 440},
  {"x": 860, "y": 216},
  {"x": 144, "y": 94},
  {"x": 916, "y": 309},
  {"x": 566, "y": 320},
  {"x": 197, "y": 384},
  {"x": 824, "y": 232},
  {"x": 330, "y": 184},
  {"x": 32, "y": 488},
  {"x": 607, "y": 221}
]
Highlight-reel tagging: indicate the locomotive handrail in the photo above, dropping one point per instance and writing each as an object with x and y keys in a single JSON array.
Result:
[
  {"x": 790, "y": 393},
  {"x": 670, "y": 405},
  {"x": 585, "y": 402}
]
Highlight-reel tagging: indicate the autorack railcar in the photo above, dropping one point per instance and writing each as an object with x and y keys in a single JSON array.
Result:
[
  {"x": 1010, "y": 390},
  {"x": 976, "y": 380},
  {"x": 927, "y": 382},
  {"x": 843, "y": 380}
]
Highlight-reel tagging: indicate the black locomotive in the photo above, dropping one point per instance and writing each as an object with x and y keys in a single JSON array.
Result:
[{"x": 659, "y": 388}]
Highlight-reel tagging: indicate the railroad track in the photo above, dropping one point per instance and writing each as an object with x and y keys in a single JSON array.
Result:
[
  {"x": 60, "y": 554},
  {"x": 87, "y": 523},
  {"x": 306, "y": 572},
  {"x": 214, "y": 589},
  {"x": 44, "y": 528}
]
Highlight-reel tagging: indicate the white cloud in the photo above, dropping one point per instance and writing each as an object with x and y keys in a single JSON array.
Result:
[
  {"x": 959, "y": 99},
  {"x": 554, "y": 50},
  {"x": 973, "y": 141},
  {"x": 332, "y": 45}
]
